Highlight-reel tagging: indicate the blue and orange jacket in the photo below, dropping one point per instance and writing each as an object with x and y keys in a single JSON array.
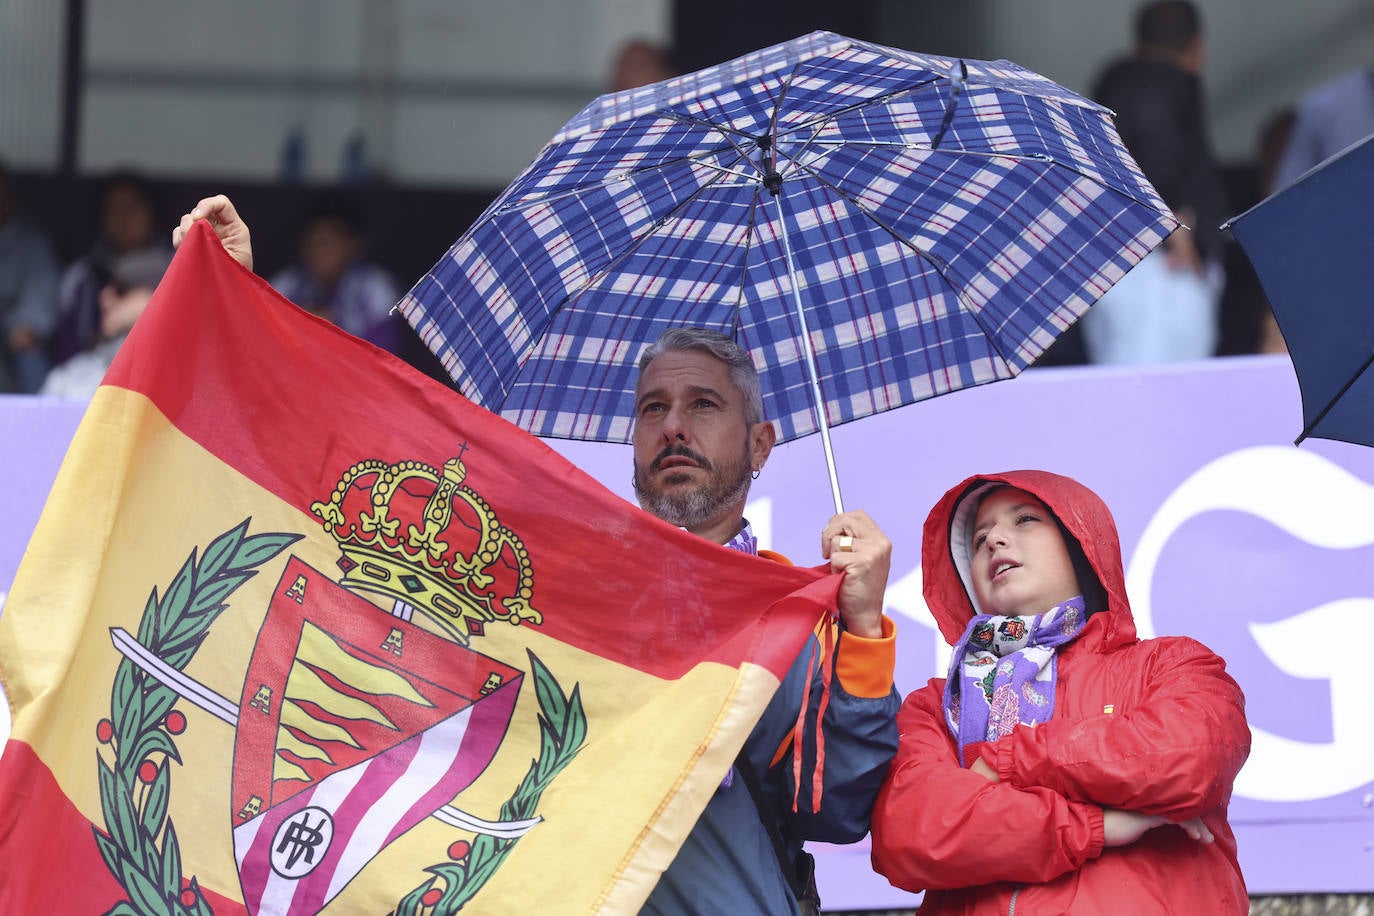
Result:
[{"x": 728, "y": 863}]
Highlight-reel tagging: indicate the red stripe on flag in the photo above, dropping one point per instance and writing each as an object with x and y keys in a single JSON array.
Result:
[
  {"x": 292, "y": 402},
  {"x": 52, "y": 864}
]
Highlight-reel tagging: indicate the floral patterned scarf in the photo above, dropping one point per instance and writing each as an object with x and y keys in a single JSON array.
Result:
[{"x": 1003, "y": 672}]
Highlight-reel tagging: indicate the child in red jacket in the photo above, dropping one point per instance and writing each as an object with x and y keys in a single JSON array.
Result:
[{"x": 1064, "y": 766}]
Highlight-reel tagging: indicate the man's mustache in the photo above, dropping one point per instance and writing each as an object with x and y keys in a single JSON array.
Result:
[{"x": 680, "y": 451}]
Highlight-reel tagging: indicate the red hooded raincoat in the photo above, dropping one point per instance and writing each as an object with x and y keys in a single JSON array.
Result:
[{"x": 1155, "y": 726}]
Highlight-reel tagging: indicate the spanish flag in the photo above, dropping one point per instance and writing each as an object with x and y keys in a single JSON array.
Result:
[{"x": 302, "y": 630}]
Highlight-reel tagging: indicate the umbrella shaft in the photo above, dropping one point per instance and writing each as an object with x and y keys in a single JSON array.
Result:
[{"x": 817, "y": 402}]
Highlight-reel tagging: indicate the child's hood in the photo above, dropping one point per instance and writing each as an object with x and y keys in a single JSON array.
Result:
[{"x": 1079, "y": 509}]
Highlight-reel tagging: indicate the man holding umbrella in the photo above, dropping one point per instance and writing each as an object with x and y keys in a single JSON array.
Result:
[{"x": 699, "y": 438}]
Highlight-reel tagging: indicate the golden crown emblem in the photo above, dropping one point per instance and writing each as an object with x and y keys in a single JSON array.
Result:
[{"x": 420, "y": 535}]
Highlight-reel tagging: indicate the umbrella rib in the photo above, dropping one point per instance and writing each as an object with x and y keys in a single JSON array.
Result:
[
  {"x": 913, "y": 88},
  {"x": 1016, "y": 157},
  {"x": 986, "y": 154},
  {"x": 725, "y": 131},
  {"x": 806, "y": 146},
  {"x": 527, "y": 202},
  {"x": 819, "y": 119},
  {"x": 888, "y": 144},
  {"x": 908, "y": 90},
  {"x": 631, "y": 249},
  {"x": 1095, "y": 179},
  {"x": 772, "y": 150},
  {"x": 822, "y": 119},
  {"x": 724, "y": 171},
  {"x": 934, "y": 259},
  {"x": 729, "y": 135},
  {"x": 940, "y": 265},
  {"x": 872, "y": 102},
  {"x": 805, "y": 125},
  {"x": 750, "y": 236},
  {"x": 1307, "y": 430},
  {"x": 738, "y": 149}
]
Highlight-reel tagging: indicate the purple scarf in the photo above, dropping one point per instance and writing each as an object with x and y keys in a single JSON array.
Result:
[{"x": 1003, "y": 672}]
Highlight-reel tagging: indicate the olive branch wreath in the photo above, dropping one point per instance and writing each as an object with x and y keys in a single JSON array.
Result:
[
  {"x": 562, "y": 730},
  {"x": 135, "y": 790}
]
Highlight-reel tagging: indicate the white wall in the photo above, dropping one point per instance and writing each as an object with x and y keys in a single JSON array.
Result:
[
  {"x": 31, "y": 37},
  {"x": 466, "y": 91}
]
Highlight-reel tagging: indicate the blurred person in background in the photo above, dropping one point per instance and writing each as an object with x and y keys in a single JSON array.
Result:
[
  {"x": 1271, "y": 148},
  {"x": 333, "y": 278},
  {"x": 28, "y": 296},
  {"x": 1165, "y": 309},
  {"x": 1329, "y": 118},
  {"x": 639, "y": 63},
  {"x": 132, "y": 278},
  {"x": 1247, "y": 324},
  {"x": 128, "y": 215}
]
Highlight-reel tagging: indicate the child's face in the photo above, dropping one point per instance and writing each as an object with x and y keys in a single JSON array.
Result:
[{"x": 1020, "y": 563}]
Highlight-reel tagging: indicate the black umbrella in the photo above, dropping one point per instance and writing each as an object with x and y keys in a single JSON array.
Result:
[{"x": 1312, "y": 246}]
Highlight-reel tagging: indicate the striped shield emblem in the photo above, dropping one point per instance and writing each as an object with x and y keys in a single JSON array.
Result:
[{"x": 353, "y": 727}]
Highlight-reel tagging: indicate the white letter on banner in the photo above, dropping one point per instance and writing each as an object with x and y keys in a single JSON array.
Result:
[
  {"x": 905, "y": 596},
  {"x": 1321, "y": 503}
]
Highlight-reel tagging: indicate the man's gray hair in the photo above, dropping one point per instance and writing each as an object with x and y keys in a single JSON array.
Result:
[{"x": 743, "y": 375}]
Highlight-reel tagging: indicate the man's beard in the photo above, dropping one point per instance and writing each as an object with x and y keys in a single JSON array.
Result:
[{"x": 724, "y": 485}]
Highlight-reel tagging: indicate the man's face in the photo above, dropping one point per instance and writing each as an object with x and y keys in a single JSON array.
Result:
[
  {"x": 1020, "y": 563},
  {"x": 327, "y": 249},
  {"x": 693, "y": 450}
]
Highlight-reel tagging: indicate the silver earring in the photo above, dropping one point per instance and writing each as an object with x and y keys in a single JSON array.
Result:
[{"x": 755, "y": 473}]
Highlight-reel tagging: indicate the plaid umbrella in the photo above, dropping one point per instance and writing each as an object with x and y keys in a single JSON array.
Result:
[{"x": 874, "y": 226}]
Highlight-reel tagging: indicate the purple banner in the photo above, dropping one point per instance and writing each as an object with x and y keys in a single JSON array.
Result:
[
  {"x": 34, "y": 433},
  {"x": 1230, "y": 534}
]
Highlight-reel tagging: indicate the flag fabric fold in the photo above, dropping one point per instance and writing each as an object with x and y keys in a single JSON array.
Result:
[{"x": 301, "y": 629}]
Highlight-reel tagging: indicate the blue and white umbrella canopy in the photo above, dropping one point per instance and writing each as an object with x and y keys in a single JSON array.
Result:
[{"x": 938, "y": 222}]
